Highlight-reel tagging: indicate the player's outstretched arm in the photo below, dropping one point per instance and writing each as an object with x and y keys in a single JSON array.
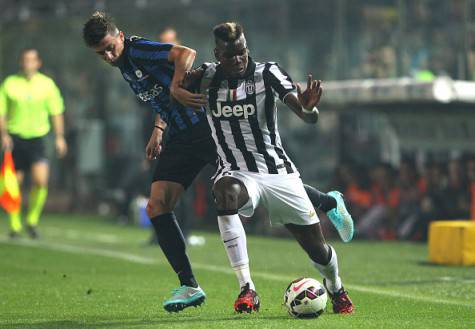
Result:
[
  {"x": 183, "y": 59},
  {"x": 304, "y": 104}
]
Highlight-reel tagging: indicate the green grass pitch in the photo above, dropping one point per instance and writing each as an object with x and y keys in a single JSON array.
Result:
[{"x": 88, "y": 273}]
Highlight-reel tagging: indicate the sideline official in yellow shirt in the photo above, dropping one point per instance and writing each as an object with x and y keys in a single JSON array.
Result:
[{"x": 27, "y": 101}]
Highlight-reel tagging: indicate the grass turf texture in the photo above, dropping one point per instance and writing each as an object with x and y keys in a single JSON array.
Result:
[{"x": 88, "y": 273}]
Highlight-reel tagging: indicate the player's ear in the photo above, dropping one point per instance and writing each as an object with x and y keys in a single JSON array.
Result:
[{"x": 121, "y": 36}]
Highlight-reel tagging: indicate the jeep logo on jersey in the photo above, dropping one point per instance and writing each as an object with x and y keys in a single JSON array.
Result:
[
  {"x": 234, "y": 110},
  {"x": 150, "y": 94},
  {"x": 138, "y": 73}
]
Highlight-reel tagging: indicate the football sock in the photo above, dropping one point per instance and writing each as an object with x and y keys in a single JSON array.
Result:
[
  {"x": 330, "y": 271},
  {"x": 320, "y": 200},
  {"x": 172, "y": 243},
  {"x": 36, "y": 202},
  {"x": 15, "y": 221},
  {"x": 234, "y": 239}
]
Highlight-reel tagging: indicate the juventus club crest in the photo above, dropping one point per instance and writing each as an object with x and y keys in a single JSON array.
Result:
[{"x": 250, "y": 87}]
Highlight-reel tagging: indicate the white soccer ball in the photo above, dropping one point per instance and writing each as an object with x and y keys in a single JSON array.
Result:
[{"x": 305, "y": 298}]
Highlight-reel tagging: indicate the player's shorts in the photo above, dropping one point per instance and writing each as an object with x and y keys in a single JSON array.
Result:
[
  {"x": 180, "y": 161},
  {"x": 28, "y": 151},
  {"x": 283, "y": 196}
]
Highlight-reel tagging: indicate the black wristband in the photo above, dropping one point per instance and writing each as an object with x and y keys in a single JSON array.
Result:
[{"x": 158, "y": 127}]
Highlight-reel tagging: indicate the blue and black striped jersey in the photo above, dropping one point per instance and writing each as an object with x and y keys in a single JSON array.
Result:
[{"x": 145, "y": 66}]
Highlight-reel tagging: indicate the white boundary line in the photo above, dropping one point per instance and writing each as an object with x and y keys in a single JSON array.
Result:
[{"x": 212, "y": 268}]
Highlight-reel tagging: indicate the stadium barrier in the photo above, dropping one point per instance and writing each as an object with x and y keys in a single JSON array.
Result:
[{"x": 452, "y": 242}]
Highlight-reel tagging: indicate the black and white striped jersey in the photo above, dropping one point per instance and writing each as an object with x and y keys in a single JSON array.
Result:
[{"x": 242, "y": 114}]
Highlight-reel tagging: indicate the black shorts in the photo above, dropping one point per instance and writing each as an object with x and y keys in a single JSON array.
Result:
[
  {"x": 28, "y": 151},
  {"x": 180, "y": 161}
]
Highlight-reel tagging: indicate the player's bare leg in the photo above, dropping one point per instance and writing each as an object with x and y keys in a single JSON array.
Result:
[
  {"x": 163, "y": 199},
  {"x": 324, "y": 258},
  {"x": 38, "y": 194},
  {"x": 15, "y": 217},
  {"x": 230, "y": 195}
]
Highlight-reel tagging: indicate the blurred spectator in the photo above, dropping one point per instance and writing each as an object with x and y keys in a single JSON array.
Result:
[
  {"x": 379, "y": 220},
  {"x": 353, "y": 181},
  {"x": 471, "y": 179},
  {"x": 169, "y": 35},
  {"x": 410, "y": 198},
  {"x": 402, "y": 204},
  {"x": 457, "y": 194}
]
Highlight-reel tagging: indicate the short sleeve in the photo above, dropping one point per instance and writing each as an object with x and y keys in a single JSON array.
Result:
[
  {"x": 3, "y": 99},
  {"x": 279, "y": 80},
  {"x": 149, "y": 52},
  {"x": 55, "y": 100}
]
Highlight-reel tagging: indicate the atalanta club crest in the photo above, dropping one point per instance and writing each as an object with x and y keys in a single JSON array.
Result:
[
  {"x": 250, "y": 87},
  {"x": 138, "y": 73}
]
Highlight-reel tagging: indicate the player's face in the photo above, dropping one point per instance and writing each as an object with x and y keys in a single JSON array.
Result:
[
  {"x": 30, "y": 62},
  {"x": 111, "y": 47},
  {"x": 233, "y": 57}
]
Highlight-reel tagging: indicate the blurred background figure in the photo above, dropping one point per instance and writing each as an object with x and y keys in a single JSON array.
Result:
[
  {"x": 169, "y": 35},
  {"x": 27, "y": 101}
]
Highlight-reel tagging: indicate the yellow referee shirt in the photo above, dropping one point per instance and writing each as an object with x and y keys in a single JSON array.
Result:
[{"x": 27, "y": 104}]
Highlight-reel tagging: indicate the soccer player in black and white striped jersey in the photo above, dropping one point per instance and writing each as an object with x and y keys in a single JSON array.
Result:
[{"x": 253, "y": 167}]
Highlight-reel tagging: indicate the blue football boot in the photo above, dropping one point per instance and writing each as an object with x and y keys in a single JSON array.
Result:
[
  {"x": 183, "y": 297},
  {"x": 341, "y": 218}
]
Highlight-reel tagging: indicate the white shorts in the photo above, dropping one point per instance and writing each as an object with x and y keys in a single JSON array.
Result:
[{"x": 283, "y": 196}]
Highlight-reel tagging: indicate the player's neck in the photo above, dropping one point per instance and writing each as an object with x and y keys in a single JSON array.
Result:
[{"x": 29, "y": 75}]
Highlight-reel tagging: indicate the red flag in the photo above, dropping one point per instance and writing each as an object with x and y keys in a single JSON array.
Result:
[{"x": 10, "y": 198}]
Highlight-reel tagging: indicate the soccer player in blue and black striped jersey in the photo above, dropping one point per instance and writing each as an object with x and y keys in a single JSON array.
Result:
[{"x": 154, "y": 71}]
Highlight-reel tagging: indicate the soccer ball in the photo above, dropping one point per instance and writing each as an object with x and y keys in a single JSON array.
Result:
[{"x": 305, "y": 298}]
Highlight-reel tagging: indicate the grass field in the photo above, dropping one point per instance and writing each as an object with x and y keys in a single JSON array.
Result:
[{"x": 88, "y": 273}]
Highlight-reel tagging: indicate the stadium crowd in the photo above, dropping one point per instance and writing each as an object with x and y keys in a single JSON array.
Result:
[
  {"x": 399, "y": 203},
  {"x": 423, "y": 44}
]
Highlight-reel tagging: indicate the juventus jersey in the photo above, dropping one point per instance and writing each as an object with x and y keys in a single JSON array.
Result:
[{"x": 242, "y": 114}]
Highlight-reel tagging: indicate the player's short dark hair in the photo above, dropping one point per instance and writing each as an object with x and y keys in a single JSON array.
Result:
[
  {"x": 228, "y": 32},
  {"x": 97, "y": 27}
]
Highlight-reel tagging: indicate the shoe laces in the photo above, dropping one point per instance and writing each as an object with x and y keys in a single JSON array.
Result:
[
  {"x": 342, "y": 296},
  {"x": 245, "y": 290}
]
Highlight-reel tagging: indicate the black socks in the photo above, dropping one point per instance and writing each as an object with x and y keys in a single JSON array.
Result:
[
  {"x": 320, "y": 200},
  {"x": 172, "y": 242}
]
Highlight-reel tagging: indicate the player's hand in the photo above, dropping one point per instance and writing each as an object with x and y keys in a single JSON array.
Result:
[
  {"x": 7, "y": 142},
  {"x": 311, "y": 96},
  {"x": 153, "y": 148},
  {"x": 61, "y": 147},
  {"x": 188, "y": 98}
]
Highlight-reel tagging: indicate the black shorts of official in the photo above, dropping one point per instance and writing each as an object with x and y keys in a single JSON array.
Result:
[
  {"x": 28, "y": 151},
  {"x": 180, "y": 161}
]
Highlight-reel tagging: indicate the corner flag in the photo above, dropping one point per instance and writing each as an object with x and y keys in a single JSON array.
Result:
[{"x": 10, "y": 198}]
